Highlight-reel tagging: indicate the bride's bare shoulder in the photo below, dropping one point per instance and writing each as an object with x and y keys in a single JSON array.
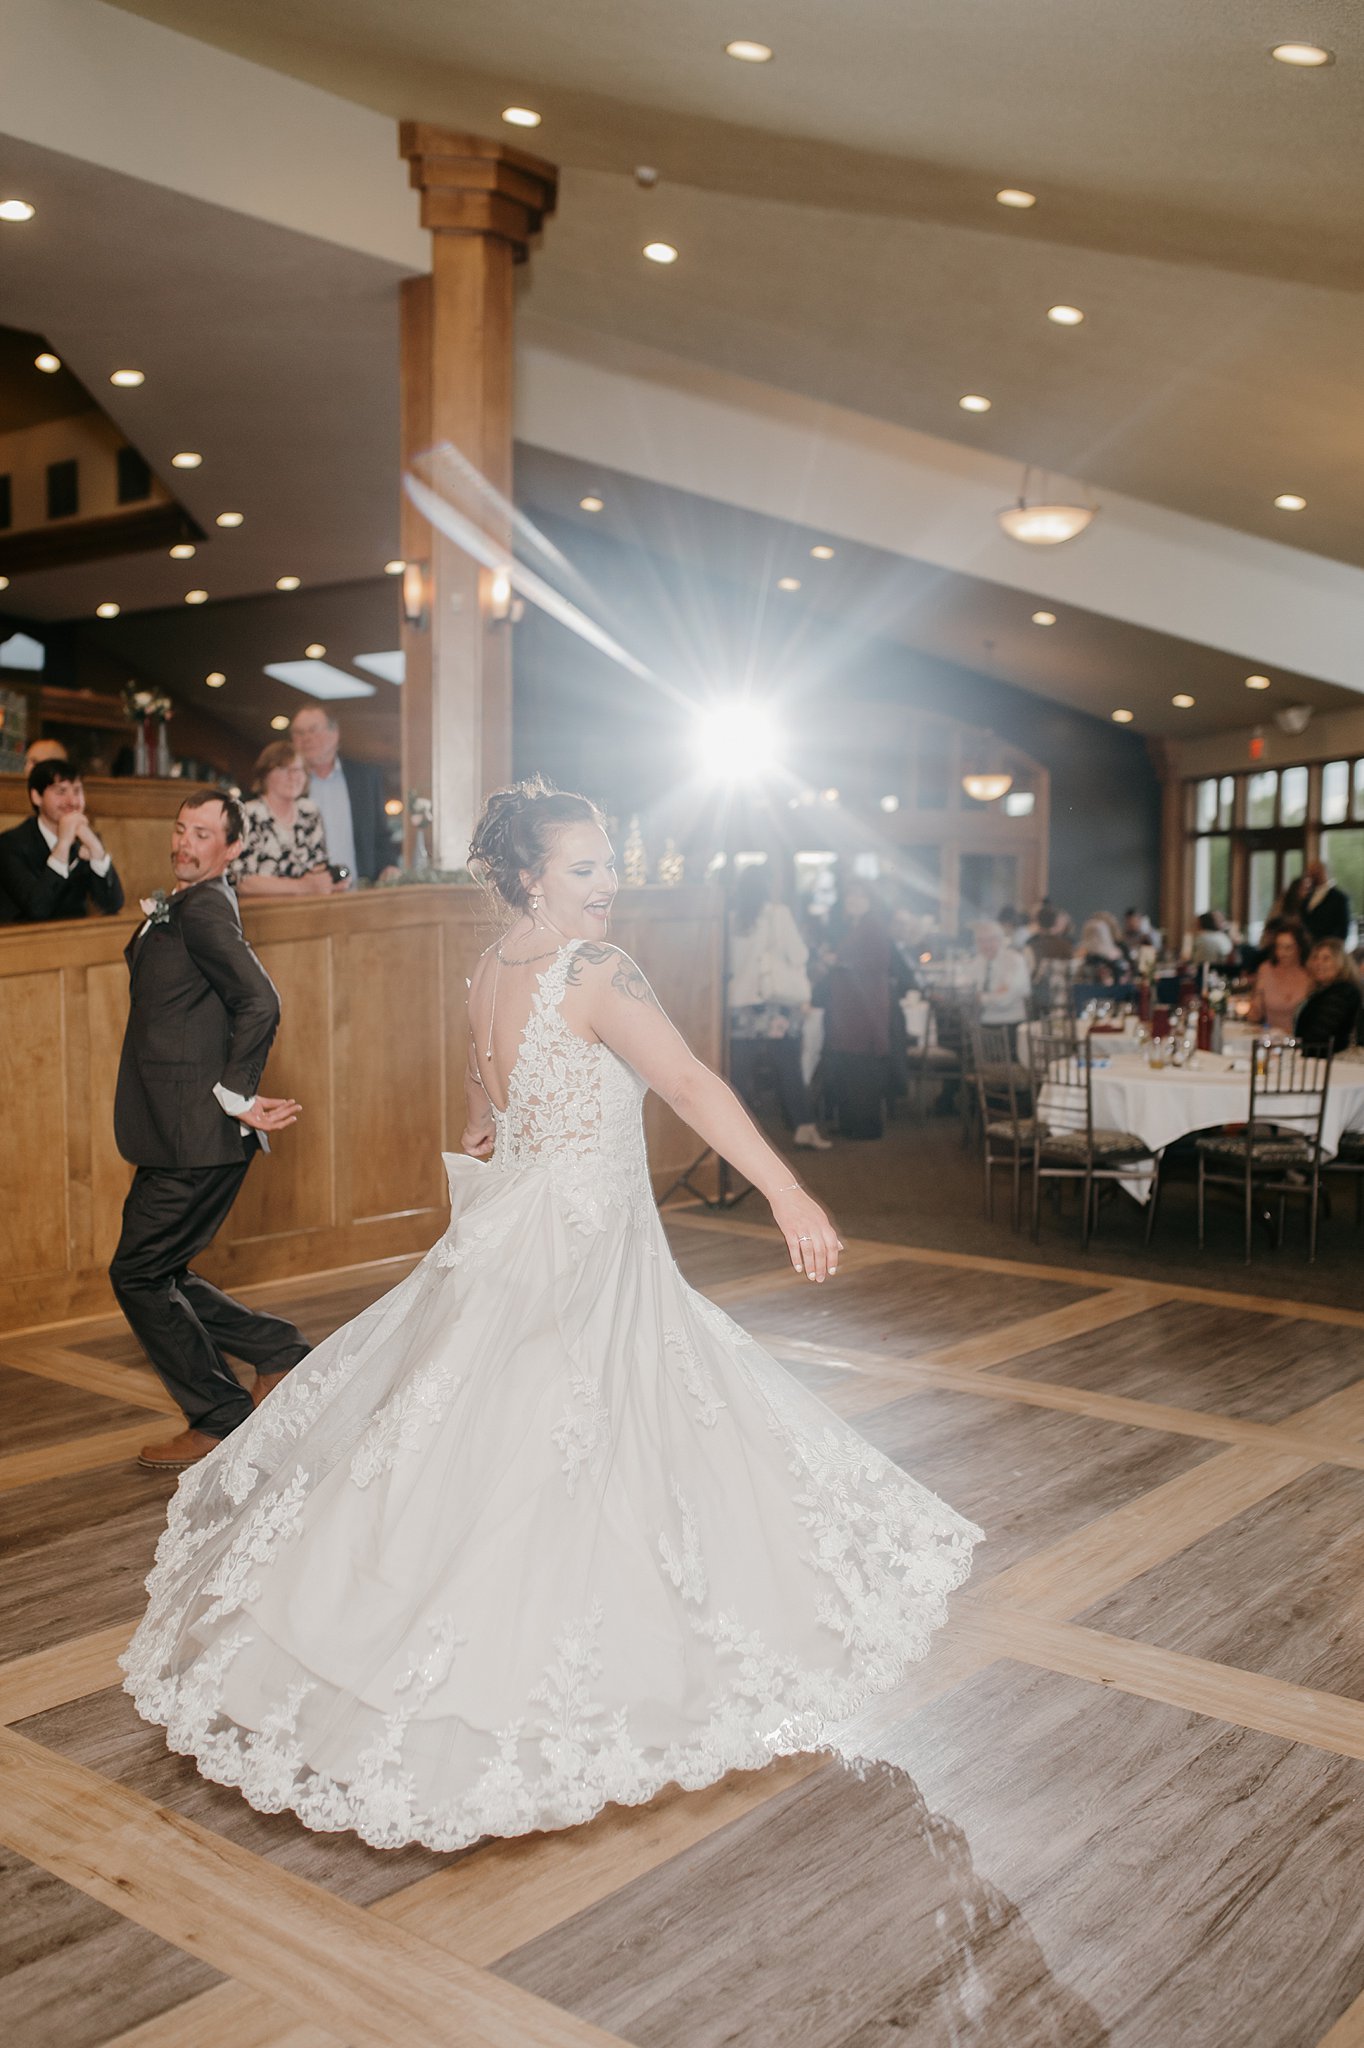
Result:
[{"x": 597, "y": 963}]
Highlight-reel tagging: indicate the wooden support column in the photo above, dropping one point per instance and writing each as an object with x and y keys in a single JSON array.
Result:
[{"x": 483, "y": 203}]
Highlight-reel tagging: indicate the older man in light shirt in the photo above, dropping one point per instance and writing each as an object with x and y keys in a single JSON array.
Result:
[
  {"x": 349, "y": 794},
  {"x": 1000, "y": 976}
]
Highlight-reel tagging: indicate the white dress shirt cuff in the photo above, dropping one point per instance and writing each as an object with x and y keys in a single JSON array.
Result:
[
  {"x": 236, "y": 1105},
  {"x": 100, "y": 868},
  {"x": 59, "y": 867}
]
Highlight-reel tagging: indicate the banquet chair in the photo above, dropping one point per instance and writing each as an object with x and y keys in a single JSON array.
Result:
[
  {"x": 1349, "y": 1160},
  {"x": 1278, "y": 1152},
  {"x": 944, "y": 1052},
  {"x": 1069, "y": 1145},
  {"x": 1003, "y": 1092}
]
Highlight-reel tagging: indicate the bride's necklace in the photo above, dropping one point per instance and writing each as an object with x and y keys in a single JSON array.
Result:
[{"x": 537, "y": 922}]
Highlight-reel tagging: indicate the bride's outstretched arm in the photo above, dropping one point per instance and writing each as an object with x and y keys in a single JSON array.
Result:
[{"x": 618, "y": 1004}]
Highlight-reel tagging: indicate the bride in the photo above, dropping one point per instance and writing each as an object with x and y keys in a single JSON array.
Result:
[{"x": 543, "y": 1529}]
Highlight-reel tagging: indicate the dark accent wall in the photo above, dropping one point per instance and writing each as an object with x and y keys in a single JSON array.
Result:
[{"x": 588, "y": 724}]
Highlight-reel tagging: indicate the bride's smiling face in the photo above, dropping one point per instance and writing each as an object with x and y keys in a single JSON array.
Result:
[{"x": 577, "y": 883}]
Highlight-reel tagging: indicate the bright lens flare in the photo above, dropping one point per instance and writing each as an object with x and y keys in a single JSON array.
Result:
[{"x": 737, "y": 742}]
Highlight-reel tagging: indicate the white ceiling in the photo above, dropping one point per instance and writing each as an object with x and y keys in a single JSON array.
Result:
[
  {"x": 1152, "y": 126},
  {"x": 1202, "y": 204}
]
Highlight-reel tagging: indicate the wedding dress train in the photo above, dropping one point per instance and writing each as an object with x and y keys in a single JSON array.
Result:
[{"x": 541, "y": 1530}]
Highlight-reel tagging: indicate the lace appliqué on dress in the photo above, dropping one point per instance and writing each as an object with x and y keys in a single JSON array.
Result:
[
  {"x": 584, "y": 1432},
  {"x": 695, "y": 1377},
  {"x": 685, "y": 1566},
  {"x": 404, "y": 1421}
]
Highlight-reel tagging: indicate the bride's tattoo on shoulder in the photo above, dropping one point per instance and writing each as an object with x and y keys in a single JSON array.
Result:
[{"x": 626, "y": 978}]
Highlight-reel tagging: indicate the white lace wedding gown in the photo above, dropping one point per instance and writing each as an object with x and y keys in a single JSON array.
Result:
[{"x": 541, "y": 1530}]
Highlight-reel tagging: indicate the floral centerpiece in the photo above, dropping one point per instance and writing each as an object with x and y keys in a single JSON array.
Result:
[
  {"x": 151, "y": 711},
  {"x": 421, "y": 814}
]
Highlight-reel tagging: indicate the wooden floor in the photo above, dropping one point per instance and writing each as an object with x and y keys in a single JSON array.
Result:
[{"x": 1123, "y": 1800}]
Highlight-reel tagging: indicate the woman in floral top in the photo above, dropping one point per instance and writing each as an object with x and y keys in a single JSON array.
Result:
[{"x": 285, "y": 853}]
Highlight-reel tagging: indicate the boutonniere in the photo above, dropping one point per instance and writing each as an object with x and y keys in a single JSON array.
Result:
[{"x": 156, "y": 909}]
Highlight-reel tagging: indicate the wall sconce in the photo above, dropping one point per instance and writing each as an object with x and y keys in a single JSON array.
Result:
[
  {"x": 415, "y": 580},
  {"x": 504, "y": 608}
]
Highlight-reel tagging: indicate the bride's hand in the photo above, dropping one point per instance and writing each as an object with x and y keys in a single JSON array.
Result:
[
  {"x": 811, "y": 1239},
  {"x": 477, "y": 1142}
]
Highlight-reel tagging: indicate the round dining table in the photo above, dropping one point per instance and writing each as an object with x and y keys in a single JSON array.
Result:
[{"x": 1161, "y": 1104}]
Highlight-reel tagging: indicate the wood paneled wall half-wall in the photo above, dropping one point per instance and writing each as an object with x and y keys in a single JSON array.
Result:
[{"x": 372, "y": 1044}]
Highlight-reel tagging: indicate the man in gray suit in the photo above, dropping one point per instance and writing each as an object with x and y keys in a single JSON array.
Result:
[{"x": 189, "y": 1115}]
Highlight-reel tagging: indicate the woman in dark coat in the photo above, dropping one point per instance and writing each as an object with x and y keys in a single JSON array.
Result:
[{"x": 857, "y": 1019}]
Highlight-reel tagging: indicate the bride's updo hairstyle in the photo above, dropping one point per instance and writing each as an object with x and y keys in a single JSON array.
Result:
[{"x": 517, "y": 832}]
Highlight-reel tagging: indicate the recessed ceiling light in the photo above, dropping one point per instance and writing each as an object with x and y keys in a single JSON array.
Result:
[
  {"x": 660, "y": 252},
  {"x": 15, "y": 209},
  {"x": 106, "y": 611},
  {"x": 47, "y": 362},
  {"x": 280, "y": 722},
  {"x": 1044, "y": 618},
  {"x": 287, "y": 582},
  {"x": 1289, "y": 501},
  {"x": 314, "y": 650},
  {"x": 215, "y": 679},
  {"x": 973, "y": 402},
  {"x": 394, "y": 568},
  {"x": 183, "y": 551},
  {"x": 127, "y": 380},
  {"x": 230, "y": 518},
  {"x": 788, "y": 583},
  {"x": 749, "y": 53},
  {"x": 1011, "y": 196},
  {"x": 1122, "y": 717},
  {"x": 823, "y": 553},
  {"x": 1306, "y": 56},
  {"x": 591, "y": 504},
  {"x": 1182, "y": 701},
  {"x": 186, "y": 460},
  {"x": 1065, "y": 316},
  {"x": 890, "y": 803},
  {"x": 521, "y": 117},
  {"x": 196, "y": 597},
  {"x": 1257, "y": 682},
  {"x": 4, "y": 582}
]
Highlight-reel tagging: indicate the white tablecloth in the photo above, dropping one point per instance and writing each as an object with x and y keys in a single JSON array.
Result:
[{"x": 1162, "y": 1104}]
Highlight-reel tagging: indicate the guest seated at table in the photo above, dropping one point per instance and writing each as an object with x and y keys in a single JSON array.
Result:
[
  {"x": 1001, "y": 976},
  {"x": 1100, "y": 956},
  {"x": 54, "y": 864},
  {"x": 1138, "y": 931},
  {"x": 1329, "y": 1019},
  {"x": 1213, "y": 944},
  {"x": 285, "y": 850},
  {"x": 1282, "y": 983}
]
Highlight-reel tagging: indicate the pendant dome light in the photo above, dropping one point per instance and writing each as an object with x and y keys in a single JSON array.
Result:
[{"x": 1041, "y": 519}]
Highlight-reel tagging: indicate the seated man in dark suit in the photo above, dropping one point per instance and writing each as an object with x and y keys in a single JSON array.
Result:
[{"x": 54, "y": 864}]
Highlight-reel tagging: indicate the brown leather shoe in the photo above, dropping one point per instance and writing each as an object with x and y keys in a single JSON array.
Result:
[
  {"x": 266, "y": 1382},
  {"x": 180, "y": 1451}
]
